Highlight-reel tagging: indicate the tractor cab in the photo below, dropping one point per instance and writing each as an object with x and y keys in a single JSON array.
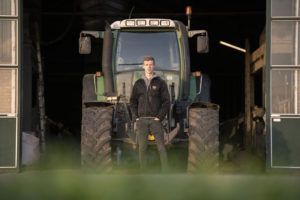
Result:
[
  {"x": 136, "y": 41},
  {"x": 131, "y": 40}
]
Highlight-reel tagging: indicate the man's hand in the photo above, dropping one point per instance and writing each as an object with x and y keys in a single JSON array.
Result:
[
  {"x": 156, "y": 119},
  {"x": 137, "y": 119}
]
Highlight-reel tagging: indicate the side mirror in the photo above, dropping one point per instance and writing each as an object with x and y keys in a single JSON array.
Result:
[
  {"x": 202, "y": 43},
  {"x": 85, "y": 45}
]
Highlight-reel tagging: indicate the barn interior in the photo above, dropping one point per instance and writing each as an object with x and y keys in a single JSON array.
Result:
[{"x": 58, "y": 23}]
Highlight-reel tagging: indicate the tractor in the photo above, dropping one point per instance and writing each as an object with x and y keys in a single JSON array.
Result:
[{"x": 106, "y": 115}]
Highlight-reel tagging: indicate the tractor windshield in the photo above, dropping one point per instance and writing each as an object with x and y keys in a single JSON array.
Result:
[{"x": 132, "y": 47}]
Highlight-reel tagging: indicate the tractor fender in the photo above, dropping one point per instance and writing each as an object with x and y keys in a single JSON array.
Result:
[{"x": 93, "y": 89}]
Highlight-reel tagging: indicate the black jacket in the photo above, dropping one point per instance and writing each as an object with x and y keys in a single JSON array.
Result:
[{"x": 153, "y": 101}]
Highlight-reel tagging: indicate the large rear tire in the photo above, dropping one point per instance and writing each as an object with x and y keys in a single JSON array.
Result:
[
  {"x": 203, "y": 140},
  {"x": 96, "y": 138}
]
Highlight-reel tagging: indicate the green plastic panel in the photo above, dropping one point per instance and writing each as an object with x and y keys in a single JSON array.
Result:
[
  {"x": 7, "y": 142},
  {"x": 100, "y": 88},
  {"x": 285, "y": 139}
]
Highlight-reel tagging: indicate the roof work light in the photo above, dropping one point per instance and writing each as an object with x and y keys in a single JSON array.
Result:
[
  {"x": 130, "y": 22},
  {"x": 154, "y": 22},
  {"x": 141, "y": 22},
  {"x": 165, "y": 23}
]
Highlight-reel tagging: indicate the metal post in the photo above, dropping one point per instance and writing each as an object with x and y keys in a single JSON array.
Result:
[
  {"x": 296, "y": 59},
  {"x": 41, "y": 98}
]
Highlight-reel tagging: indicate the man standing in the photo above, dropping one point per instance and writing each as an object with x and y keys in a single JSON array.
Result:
[{"x": 149, "y": 103}]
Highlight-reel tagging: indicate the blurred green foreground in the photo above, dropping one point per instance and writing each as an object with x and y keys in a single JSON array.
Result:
[{"x": 74, "y": 184}]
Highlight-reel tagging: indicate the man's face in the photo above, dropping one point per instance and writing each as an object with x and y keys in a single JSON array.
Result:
[{"x": 148, "y": 66}]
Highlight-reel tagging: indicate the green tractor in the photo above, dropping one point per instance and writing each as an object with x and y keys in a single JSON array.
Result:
[{"x": 106, "y": 115}]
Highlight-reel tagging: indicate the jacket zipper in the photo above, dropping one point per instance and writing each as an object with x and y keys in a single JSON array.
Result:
[
  {"x": 145, "y": 106},
  {"x": 147, "y": 98}
]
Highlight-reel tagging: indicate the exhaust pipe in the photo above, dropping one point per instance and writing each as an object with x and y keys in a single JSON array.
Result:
[{"x": 107, "y": 62}]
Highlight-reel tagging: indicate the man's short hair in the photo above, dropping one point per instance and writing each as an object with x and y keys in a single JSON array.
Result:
[{"x": 148, "y": 58}]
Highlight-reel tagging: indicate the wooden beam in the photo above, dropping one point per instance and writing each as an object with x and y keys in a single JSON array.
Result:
[
  {"x": 258, "y": 59},
  {"x": 247, "y": 136},
  {"x": 257, "y": 66},
  {"x": 258, "y": 53}
]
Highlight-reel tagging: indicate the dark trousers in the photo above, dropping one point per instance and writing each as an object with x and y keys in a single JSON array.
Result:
[{"x": 144, "y": 127}]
